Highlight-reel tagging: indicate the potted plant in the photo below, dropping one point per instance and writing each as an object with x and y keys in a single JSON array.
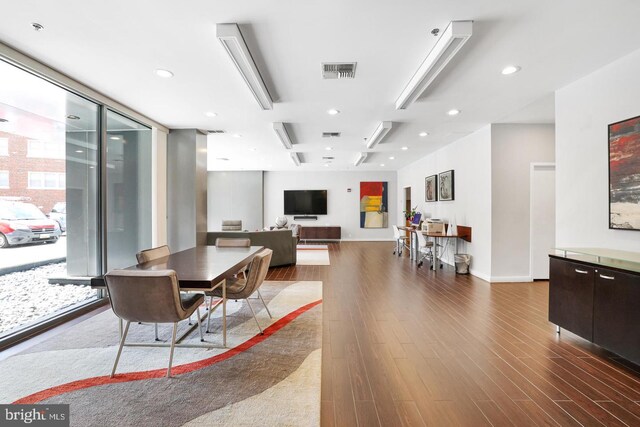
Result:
[{"x": 408, "y": 216}]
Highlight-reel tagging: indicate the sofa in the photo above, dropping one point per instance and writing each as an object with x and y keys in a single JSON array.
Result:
[{"x": 281, "y": 242}]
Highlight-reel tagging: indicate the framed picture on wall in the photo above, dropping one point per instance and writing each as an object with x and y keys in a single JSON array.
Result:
[
  {"x": 431, "y": 188},
  {"x": 446, "y": 186},
  {"x": 624, "y": 174}
]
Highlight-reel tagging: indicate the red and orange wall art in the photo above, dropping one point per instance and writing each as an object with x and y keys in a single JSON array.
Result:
[
  {"x": 624, "y": 174},
  {"x": 374, "y": 205}
]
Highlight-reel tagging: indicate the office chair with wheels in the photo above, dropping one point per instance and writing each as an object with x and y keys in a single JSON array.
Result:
[
  {"x": 401, "y": 241},
  {"x": 425, "y": 248}
]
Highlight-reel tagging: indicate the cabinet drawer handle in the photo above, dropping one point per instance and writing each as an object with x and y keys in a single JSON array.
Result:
[
  {"x": 582, "y": 271},
  {"x": 607, "y": 277}
]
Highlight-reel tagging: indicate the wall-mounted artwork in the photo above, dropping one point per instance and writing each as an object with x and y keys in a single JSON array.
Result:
[
  {"x": 431, "y": 188},
  {"x": 447, "y": 186},
  {"x": 374, "y": 205},
  {"x": 624, "y": 174}
]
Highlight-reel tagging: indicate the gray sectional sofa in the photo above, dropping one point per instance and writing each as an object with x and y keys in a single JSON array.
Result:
[{"x": 282, "y": 242}]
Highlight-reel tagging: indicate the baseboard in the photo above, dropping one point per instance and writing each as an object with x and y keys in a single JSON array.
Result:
[
  {"x": 480, "y": 275},
  {"x": 510, "y": 279}
]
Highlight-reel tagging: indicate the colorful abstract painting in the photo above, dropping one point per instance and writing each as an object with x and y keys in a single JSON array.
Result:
[
  {"x": 374, "y": 205},
  {"x": 624, "y": 174}
]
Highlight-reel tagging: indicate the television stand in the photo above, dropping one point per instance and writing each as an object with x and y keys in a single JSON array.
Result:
[
  {"x": 320, "y": 233},
  {"x": 305, "y": 218}
]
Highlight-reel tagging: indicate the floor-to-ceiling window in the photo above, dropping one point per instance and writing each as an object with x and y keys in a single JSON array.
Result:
[{"x": 59, "y": 223}]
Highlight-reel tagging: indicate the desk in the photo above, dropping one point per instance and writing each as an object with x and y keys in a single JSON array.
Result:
[
  {"x": 413, "y": 242},
  {"x": 199, "y": 269},
  {"x": 463, "y": 233}
]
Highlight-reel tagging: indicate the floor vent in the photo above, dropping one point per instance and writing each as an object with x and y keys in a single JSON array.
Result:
[{"x": 338, "y": 70}]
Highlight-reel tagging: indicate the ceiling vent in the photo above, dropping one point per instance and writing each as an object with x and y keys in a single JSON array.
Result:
[
  {"x": 328, "y": 158},
  {"x": 215, "y": 132},
  {"x": 331, "y": 134},
  {"x": 338, "y": 70}
]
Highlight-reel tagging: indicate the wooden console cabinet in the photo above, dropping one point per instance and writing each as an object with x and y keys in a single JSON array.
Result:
[
  {"x": 320, "y": 233},
  {"x": 597, "y": 302}
]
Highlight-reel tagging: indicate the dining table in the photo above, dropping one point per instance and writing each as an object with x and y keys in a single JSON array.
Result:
[{"x": 198, "y": 269}]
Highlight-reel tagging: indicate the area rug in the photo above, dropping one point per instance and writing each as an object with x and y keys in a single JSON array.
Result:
[
  {"x": 312, "y": 255},
  {"x": 269, "y": 379}
]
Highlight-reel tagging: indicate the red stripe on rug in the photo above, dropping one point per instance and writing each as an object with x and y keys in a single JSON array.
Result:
[{"x": 159, "y": 373}]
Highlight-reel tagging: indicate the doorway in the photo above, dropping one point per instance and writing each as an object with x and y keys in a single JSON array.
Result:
[{"x": 542, "y": 217}]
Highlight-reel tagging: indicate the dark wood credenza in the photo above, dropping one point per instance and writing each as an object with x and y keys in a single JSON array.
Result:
[
  {"x": 597, "y": 299},
  {"x": 320, "y": 233}
]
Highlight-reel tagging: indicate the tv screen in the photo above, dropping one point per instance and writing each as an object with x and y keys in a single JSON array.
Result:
[{"x": 305, "y": 202}]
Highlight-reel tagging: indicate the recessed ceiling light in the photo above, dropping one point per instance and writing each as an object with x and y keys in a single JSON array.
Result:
[
  {"x": 253, "y": 149},
  {"x": 91, "y": 167},
  {"x": 329, "y": 148},
  {"x": 37, "y": 27},
  {"x": 237, "y": 135},
  {"x": 79, "y": 151},
  {"x": 423, "y": 133},
  {"x": 115, "y": 138},
  {"x": 210, "y": 114},
  {"x": 453, "y": 112},
  {"x": 510, "y": 69},
  {"x": 72, "y": 117},
  {"x": 333, "y": 112},
  {"x": 164, "y": 73},
  {"x": 404, "y": 148},
  {"x": 326, "y": 165},
  {"x": 391, "y": 158},
  {"x": 381, "y": 164}
]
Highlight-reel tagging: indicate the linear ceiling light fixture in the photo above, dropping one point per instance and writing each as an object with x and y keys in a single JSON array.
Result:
[
  {"x": 295, "y": 157},
  {"x": 232, "y": 40},
  {"x": 361, "y": 158},
  {"x": 379, "y": 134},
  {"x": 281, "y": 130},
  {"x": 452, "y": 39}
]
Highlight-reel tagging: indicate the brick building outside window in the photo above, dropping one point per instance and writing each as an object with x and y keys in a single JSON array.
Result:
[{"x": 32, "y": 170}]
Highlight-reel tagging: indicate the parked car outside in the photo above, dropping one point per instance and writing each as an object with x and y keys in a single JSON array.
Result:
[
  {"x": 59, "y": 214},
  {"x": 22, "y": 223}
]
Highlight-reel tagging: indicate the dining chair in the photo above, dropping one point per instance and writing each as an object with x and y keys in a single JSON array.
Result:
[
  {"x": 401, "y": 241},
  {"x": 425, "y": 248},
  {"x": 238, "y": 288},
  {"x": 150, "y": 296},
  {"x": 152, "y": 254}
]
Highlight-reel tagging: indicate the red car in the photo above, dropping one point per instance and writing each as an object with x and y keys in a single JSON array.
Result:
[{"x": 22, "y": 223}]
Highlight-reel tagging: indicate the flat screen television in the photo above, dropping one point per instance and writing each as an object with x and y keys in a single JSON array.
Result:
[{"x": 305, "y": 202}]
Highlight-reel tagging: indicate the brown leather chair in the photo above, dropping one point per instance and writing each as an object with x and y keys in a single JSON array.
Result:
[
  {"x": 150, "y": 296},
  {"x": 243, "y": 288},
  {"x": 152, "y": 254}
]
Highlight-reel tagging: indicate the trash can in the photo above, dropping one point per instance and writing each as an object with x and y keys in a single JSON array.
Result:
[{"x": 462, "y": 263}]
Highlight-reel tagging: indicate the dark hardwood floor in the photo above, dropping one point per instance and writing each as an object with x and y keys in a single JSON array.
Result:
[{"x": 407, "y": 346}]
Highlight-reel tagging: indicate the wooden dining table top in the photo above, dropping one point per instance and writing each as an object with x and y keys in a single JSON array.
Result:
[{"x": 198, "y": 268}]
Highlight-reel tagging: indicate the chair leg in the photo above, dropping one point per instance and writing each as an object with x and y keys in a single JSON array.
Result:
[
  {"x": 210, "y": 313},
  {"x": 254, "y": 316},
  {"x": 199, "y": 324},
  {"x": 173, "y": 346},
  {"x": 122, "y": 339},
  {"x": 190, "y": 322},
  {"x": 265, "y": 305},
  {"x": 157, "y": 338}
]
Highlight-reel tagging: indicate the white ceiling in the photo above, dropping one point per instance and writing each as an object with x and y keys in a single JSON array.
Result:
[{"x": 116, "y": 49}]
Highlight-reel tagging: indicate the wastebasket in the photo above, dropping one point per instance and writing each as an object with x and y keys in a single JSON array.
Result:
[{"x": 462, "y": 263}]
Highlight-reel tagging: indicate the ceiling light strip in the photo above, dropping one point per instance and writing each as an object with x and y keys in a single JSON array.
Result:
[
  {"x": 235, "y": 45},
  {"x": 281, "y": 131},
  {"x": 379, "y": 134},
  {"x": 450, "y": 42},
  {"x": 295, "y": 157},
  {"x": 361, "y": 158}
]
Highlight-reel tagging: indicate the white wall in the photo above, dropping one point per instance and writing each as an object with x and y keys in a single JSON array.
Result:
[
  {"x": 343, "y": 208},
  {"x": 470, "y": 158},
  {"x": 583, "y": 110},
  {"x": 513, "y": 148},
  {"x": 235, "y": 195}
]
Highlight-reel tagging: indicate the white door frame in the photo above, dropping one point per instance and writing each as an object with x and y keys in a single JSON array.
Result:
[{"x": 534, "y": 166}]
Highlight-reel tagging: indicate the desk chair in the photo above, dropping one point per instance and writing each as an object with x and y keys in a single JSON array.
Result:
[
  {"x": 425, "y": 248},
  {"x": 243, "y": 288},
  {"x": 150, "y": 296},
  {"x": 401, "y": 241}
]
